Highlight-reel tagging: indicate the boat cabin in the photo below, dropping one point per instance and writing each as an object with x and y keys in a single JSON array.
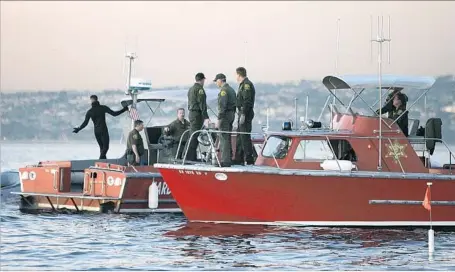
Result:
[{"x": 360, "y": 142}]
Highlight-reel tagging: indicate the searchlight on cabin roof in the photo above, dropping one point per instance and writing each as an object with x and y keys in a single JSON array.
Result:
[
  {"x": 287, "y": 125},
  {"x": 313, "y": 124}
]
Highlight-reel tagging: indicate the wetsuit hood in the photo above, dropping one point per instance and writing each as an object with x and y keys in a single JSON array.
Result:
[{"x": 95, "y": 104}]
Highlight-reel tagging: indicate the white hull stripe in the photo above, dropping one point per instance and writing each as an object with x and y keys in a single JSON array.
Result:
[
  {"x": 270, "y": 170},
  {"x": 338, "y": 223}
]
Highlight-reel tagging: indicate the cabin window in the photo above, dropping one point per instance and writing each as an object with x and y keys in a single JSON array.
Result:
[
  {"x": 276, "y": 147},
  {"x": 313, "y": 150},
  {"x": 343, "y": 150}
]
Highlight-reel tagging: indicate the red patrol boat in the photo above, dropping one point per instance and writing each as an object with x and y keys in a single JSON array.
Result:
[
  {"x": 110, "y": 185},
  {"x": 360, "y": 171}
]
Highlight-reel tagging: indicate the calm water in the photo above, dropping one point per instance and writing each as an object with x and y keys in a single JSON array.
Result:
[{"x": 153, "y": 242}]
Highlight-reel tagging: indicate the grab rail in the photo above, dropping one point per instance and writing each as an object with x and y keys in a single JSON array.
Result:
[
  {"x": 212, "y": 145},
  {"x": 327, "y": 137}
]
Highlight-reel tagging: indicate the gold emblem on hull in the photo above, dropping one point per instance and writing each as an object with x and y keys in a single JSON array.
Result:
[{"x": 396, "y": 151}]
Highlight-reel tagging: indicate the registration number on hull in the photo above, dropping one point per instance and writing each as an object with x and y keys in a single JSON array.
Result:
[
  {"x": 191, "y": 172},
  {"x": 163, "y": 189}
]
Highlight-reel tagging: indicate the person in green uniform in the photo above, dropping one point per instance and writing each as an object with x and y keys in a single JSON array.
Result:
[
  {"x": 134, "y": 144},
  {"x": 176, "y": 130},
  {"x": 197, "y": 107},
  {"x": 226, "y": 114},
  {"x": 245, "y": 106}
]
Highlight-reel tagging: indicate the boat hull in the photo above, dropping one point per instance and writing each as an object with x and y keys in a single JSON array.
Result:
[
  {"x": 314, "y": 198},
  {"x": 105, "y": 188}
]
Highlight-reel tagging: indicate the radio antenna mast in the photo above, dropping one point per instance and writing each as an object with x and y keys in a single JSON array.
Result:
[
  {"x": 380, "y": 40},
  {"x": 131, "y": 56},
  {"x": 336, "y": 72}
]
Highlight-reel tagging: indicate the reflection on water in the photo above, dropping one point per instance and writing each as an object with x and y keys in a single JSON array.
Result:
[
  {"x": 207, "y": 230},
  {"x": 165, "y": 241},
  {"x": 305, "y": 248}
]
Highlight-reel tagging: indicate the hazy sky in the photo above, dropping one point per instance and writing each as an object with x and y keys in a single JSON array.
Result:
[{"x": 81, "y": 45}]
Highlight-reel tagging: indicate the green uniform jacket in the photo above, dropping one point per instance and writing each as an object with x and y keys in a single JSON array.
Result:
[
  {"x": 245, "y": 97},
  {"x": 135, "y": 138},
  {"x": 197, "y": 100},
  {"x": 177, "y": 128},
  {"x": 226, "y": 101}
]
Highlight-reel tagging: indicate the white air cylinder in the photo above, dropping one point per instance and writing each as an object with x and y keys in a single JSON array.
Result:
[
  {"x": 153, "y": 196},
  {"x": 336, "y": 165}
]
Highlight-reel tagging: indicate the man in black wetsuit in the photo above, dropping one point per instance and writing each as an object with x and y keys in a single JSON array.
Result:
[{"x": 98, "y": 115}]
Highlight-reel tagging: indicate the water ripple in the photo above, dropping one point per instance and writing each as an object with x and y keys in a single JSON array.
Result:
[{"x": 167, "y": 242}]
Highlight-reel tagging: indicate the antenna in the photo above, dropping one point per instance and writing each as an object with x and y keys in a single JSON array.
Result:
[
  {"x": 336, "y": 72},
  {"x": 380, "y": 40},
  {"x": 131, "y": 56}
]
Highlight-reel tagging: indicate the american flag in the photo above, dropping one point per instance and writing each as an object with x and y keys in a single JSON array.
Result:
[{"x": 133, "y": 113}]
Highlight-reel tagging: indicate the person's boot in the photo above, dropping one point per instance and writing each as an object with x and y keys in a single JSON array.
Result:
[{"x": 238, "y": 163}]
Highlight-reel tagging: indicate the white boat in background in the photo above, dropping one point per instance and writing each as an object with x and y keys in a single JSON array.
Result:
[{"x": 9, "y": 182}]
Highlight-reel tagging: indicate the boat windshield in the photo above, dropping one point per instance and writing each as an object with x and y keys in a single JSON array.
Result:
[
  {"x": 257, "y": 148},
  {"x": 276, "y": 147},
  {"x": 313, "y": 150}
]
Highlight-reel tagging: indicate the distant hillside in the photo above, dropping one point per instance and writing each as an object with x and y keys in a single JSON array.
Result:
[{"x": 52, "y": 115}]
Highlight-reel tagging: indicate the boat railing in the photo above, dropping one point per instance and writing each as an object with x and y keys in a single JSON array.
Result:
[
  {"x": 328, "y": 138},
  {"x": 209, "y": 132},
  {"x": 180, "y": 143},
  {"x": 357, "y": 94},
  {"x": 389, "y": 139}
]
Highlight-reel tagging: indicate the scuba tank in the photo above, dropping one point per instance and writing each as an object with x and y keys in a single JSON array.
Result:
[{"x": 213, "y": 156}]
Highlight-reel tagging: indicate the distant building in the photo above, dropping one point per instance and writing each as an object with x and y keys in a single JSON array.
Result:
[{"x": 449, "y": 109}]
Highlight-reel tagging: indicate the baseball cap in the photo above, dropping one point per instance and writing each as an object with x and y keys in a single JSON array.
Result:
[
  {"x": 199, "y": 76},
  {"x": 219, "y": 76}
]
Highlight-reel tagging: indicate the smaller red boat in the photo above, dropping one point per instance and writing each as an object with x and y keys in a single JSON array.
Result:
[
  {"x": 360, "y": 171},
  {"x": 109, "y": 185}
]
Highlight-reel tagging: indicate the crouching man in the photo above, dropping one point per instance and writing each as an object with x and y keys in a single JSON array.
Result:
[{"x": 176, "y": 129}]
